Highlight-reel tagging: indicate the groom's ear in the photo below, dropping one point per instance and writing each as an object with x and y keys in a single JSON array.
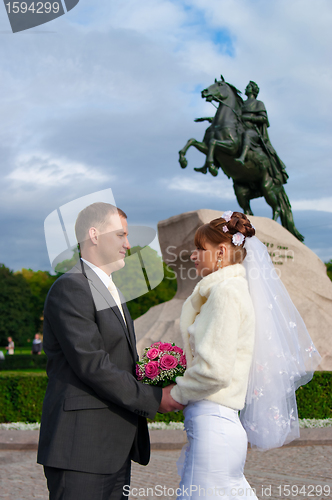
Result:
[{"x": 93, "y": 235}]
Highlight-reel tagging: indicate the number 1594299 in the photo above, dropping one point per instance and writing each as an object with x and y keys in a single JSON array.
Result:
[
  {"x": 309, "y": 490},
  {"x": 33, "y": 8}
]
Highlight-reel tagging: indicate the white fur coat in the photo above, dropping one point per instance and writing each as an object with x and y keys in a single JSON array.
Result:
[{"x": 220, "y": 316}]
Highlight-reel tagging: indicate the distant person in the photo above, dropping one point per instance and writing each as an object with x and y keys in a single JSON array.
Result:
[
  {"x": 37, "y": 345},
  {"x": 11, "y": 346}
]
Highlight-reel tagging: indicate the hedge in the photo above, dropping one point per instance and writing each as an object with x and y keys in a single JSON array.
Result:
[
  {"x": 314, "y": 400},
  {"x": 21, "y": 398},
  {"x": 24, "y": 362}
]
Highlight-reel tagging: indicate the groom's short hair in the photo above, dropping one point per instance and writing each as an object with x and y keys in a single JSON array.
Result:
[{"x": 95, "y": 215}]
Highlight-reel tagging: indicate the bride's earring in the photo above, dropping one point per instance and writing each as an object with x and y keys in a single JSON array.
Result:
[{"x": 219, "y": 262}]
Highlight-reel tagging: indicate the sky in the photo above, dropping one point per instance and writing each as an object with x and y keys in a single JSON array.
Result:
[{"x": 105, "y": 96}]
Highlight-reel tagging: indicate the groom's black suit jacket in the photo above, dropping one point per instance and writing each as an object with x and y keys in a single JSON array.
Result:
[{"x": 94, "y": 409}]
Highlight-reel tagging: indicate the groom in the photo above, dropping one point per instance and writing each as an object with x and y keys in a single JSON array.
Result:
[{"x": 94, "y": 413}]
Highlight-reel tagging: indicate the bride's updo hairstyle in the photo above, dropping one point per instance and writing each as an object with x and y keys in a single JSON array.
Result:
[{"x": 227, "y": 230}]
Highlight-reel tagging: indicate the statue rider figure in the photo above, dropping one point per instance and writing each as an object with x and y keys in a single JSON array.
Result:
[
  {"x": 255, "y": 121},
  {"x": 237, "y": 143}
]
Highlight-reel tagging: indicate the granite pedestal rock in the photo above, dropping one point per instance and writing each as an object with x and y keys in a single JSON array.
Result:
[{"x": 302, "y": 272}]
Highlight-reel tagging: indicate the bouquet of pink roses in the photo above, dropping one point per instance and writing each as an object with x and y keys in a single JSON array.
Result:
[{"x": 161, "y": 363}]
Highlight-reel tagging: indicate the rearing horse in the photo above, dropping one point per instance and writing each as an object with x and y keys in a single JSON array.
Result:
[{"x": 222, "y": 144}]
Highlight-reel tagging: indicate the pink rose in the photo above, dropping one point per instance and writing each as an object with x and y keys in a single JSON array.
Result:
[
  {"x": 153, "y": 353},
  {"x": 167, "y": 362},
  {"x": 156, "y": 344},
  {"x": 138, "y": 373},
  {"x": 165, "y": 346},
  {"x": 152, "y": 369},
  {"x": 177, "y": 349},
  {"x": 183, "y": 361}
]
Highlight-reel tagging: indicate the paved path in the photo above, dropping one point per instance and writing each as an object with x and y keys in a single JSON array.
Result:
[
  {"x": 308, "y": 469},
  {"x": 160, "y": 440}
]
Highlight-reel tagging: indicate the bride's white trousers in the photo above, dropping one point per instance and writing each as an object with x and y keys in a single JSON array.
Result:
[{"x": 215, "y": 457}]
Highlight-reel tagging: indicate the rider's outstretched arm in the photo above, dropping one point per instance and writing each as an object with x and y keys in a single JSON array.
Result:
[{"x": 207, "y": 118}]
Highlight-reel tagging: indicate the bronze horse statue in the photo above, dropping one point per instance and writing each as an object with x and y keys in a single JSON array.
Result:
[{"x": 238, "y": 143}]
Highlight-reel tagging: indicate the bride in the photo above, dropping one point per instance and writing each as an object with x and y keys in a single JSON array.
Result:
[{"x": 247, "y": 349}]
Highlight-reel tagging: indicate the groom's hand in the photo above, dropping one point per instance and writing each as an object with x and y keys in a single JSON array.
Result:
[{"x": 167, "y": 402}]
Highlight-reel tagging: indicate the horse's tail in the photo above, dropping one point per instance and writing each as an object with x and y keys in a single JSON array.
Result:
[{"x": 286, "y": 215}]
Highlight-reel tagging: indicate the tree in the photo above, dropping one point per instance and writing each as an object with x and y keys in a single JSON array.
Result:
[
  {"x": 329, "y": 269},
  {"x": 67, "y": 264},
  {"x": 150, "y": 270},
  {"x": 16, "y": 317},
  {"x": 23, "y": 293},
  {"x": 39, "y": 283}
]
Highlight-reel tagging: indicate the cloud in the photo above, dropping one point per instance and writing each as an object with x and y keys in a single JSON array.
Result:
[
  {"x": 109, "y": 97},
  {"x": 42, "y": 170},
  {"x": 220, "y": 188},
  {"x": 320, "y": 205}
]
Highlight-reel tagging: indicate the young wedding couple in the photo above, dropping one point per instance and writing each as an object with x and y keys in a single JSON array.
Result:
[{"x": 247, "y": 350}]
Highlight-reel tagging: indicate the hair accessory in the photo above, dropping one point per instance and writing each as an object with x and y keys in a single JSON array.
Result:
[
  {"x": 227, "y": 215},
  {"x": 237, "y": 239},
  {"x": 225, "y": 229}
]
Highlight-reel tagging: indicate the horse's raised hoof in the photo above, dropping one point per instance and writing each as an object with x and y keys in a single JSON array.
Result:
[
  {"x": 182, "y": 160},
  {"x": 213, "y": 170},
  {"x": 203, "y": 170}
]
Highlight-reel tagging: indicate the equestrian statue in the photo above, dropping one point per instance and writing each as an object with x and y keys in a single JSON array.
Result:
[{"x": 237, "y": 142}]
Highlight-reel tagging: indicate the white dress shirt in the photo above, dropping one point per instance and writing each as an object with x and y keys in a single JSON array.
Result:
[{"x": 109, "y": 284}]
